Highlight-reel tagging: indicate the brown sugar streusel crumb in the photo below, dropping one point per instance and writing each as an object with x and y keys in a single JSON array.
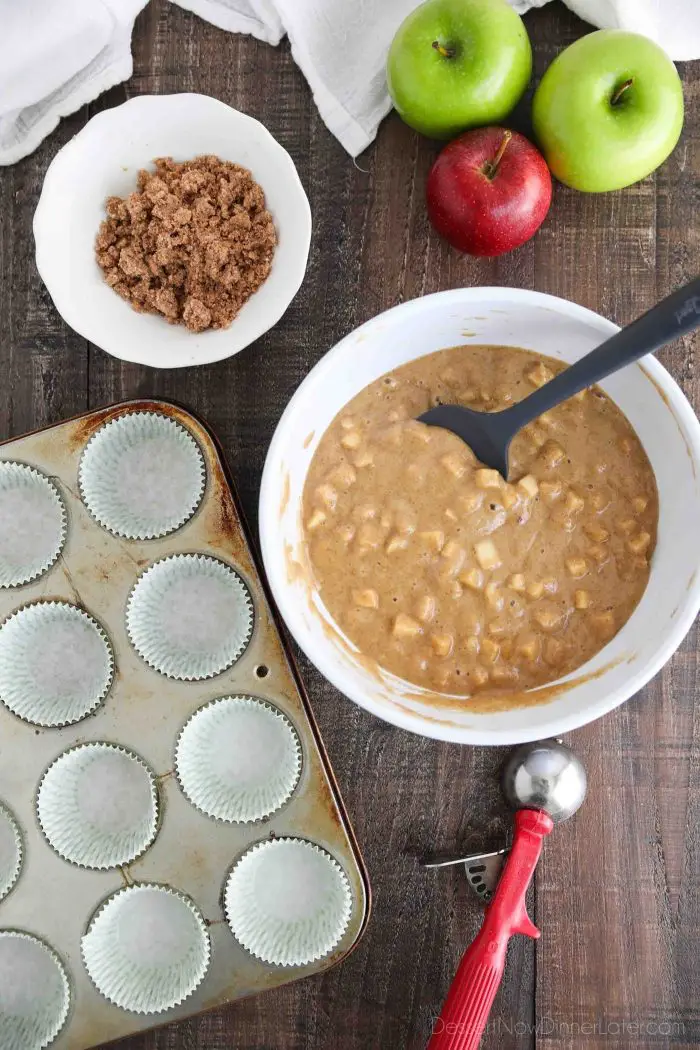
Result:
[{"x": 192, "y": 243}]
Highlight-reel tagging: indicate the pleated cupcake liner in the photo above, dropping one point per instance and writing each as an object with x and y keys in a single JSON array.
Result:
[
  {"x": 56, "y": 664},
  {"x": 35, "y": 992},
  {"x": 238, "y": 759},
  {"x": 102, "y": 776},
  {"x": 147, "y": 948},
  {"x": 33, "y": 524},
  {"x": 11, "y": 851},
  {"x": 142, "y": 476},
  {"x": 189, "y": 616},
  {"x": 287, "y": 902}
]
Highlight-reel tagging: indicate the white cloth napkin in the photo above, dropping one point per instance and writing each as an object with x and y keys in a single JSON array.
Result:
[{"x": 56, "y": 55}]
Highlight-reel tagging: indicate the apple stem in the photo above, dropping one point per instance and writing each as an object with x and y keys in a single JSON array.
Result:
[
  {"x": 491, "y": 166},
  {"x": 446, "y": 52},
  {"x": 620, "y": 91}
]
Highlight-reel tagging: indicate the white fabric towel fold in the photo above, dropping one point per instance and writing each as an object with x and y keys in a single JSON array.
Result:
[{"x": 56, "y": 55}]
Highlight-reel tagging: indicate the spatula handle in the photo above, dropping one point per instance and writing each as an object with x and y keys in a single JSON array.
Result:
[
  {"x": 466, "y": 1010},
  {"x": 674, "y": 316}
]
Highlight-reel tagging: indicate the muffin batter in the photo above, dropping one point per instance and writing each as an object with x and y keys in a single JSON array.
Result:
[{"x": 452, "y": 578}]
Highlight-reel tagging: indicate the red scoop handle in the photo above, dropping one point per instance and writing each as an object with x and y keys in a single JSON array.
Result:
[{"x": 466, "y": 1009}]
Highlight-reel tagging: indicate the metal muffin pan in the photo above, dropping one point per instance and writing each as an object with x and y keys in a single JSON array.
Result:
[{"x": 145, "y": 713}]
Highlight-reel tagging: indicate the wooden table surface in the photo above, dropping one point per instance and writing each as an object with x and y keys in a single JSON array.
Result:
[{"x": 617, "y": 893}]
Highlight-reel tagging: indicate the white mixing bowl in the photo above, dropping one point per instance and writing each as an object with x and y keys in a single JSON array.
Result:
[{"x": 654, "y": 405}]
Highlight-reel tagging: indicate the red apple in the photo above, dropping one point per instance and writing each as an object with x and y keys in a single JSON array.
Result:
[{"x": 488, "y": 191}]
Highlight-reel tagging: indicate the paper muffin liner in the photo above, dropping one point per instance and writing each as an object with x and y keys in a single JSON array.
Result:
[
  {"x": 189, "y": 616},
  {"x": 97, "y": 805},
  {"x": 287, "y": 902},
  {"x": 238, "y": 759},
  {"x": 56, "y": 664},
  {"x": 142, "y": 476},
  {"x": 34, "y": 992},
  {"x": 147, "y": 948},
  {"x": 11, "y": 851},
  {"x": 32, "y": 524}
]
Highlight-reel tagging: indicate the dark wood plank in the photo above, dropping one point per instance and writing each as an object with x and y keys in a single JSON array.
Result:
[
  {"x": 617, "y": 892},
  {"x": 43, "y": 363}
]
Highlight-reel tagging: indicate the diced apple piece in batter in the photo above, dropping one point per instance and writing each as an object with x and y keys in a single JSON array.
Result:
[
  {"x": 485, "y": 478},
  {"x": 509, "y": 496},
  {"x": 490, "y": 650},
  {"x": 626, "y": 526},
  {"x": 552, "y": 454},
  {"x": 433, "y": 539},
  {"x": 346, "y": 533},
  {"x": 454, "y": 556},
  {"x": 369, "y": 535},
  {"x": 363, "y": 458},
  {"x": 582, "y": 599},
  {"x": 406, "y": 627},
  {"x": 548, "y": 617},
  {"x": 442, "y": 644},
  {"x": 478, "y": 676},
  {"x": 504, "y": 674},
  {"x": 396, "y": 543},
  {"x": 595, "y": 531},
  {"x": 573, "y": 502},
  {"x": 639, "y": 543},
  {"x": 576, "y": 567},
  {"x": 367, "y": 599},
  {"x": 493, "y": 596},
  {"x": 535, "y": 589},
  {"x": 529, "y": 485},
  {"x": 425, "y": 608},
  {"x": 529, "y": 646},
  {"x": 351, "y": 439},
  {"x": 318, "y": 517},
  {"x": 487, "y": 555},
  {"x": 473, "y": 578},
  {"x": 539, "y": 374},
  {"x": 598, "y": 553},
  {"x": 327, "y": 495}
]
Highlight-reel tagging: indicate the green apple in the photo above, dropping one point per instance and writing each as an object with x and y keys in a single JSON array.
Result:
[
  {"x": 458, "y": 64},
  {"x": 608, "y": 111}
]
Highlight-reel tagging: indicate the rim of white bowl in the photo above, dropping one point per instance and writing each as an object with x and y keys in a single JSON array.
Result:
[
  {"x": 108, "y": 122},
  {"x": 322, "y": 657}
]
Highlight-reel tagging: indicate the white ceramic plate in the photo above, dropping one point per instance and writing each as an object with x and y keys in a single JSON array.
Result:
[
  {"x": 103, "y": 160},
  {"x": 657, "y": 410}
]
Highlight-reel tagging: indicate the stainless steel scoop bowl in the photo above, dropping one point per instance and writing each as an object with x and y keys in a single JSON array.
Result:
[{"x": 545, "y": 775}]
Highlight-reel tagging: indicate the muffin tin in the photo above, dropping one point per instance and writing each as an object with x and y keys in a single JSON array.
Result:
[{"x": 162, "y": 774}]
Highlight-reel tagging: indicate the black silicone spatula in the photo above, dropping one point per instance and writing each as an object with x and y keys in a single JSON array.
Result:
[{"x": 489, "y": 434}]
